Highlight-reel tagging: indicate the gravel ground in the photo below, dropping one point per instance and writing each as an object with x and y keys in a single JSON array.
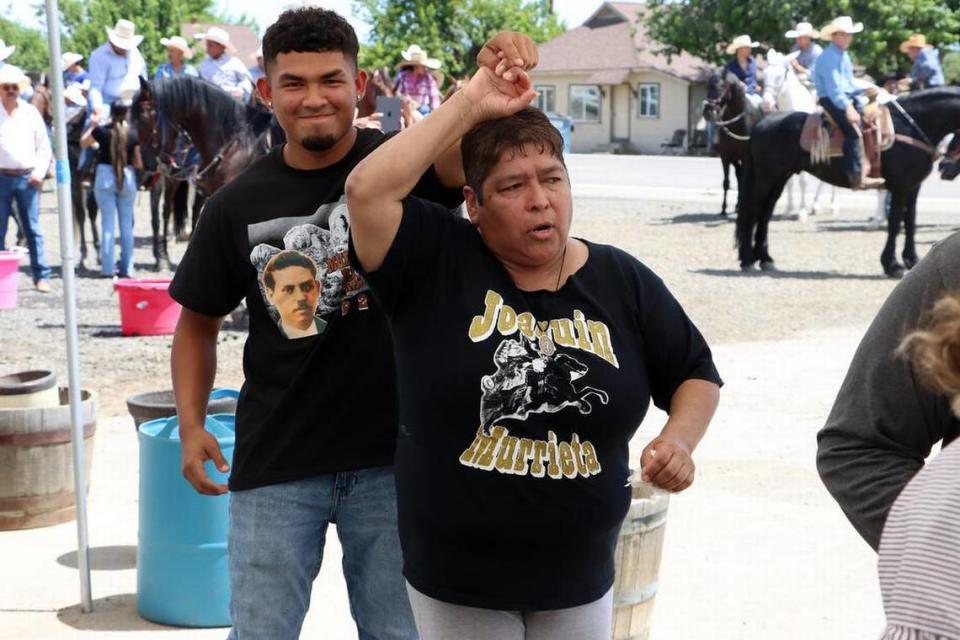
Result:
[{"x": 830, "y": 278}]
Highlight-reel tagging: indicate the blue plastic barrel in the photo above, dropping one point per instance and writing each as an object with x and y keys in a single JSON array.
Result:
[
  {"x": 563, "y": 124},
  {"x": 182, "y": 576}
]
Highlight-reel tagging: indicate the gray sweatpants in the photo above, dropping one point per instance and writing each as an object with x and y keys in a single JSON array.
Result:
[{"x": 437, "y": 620}]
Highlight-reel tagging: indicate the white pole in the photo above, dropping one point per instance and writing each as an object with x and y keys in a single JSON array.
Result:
[{"x": 64, "y": 205}]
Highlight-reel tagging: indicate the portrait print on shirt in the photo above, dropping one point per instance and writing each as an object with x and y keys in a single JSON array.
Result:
[
  {"x": 316, "y": 279},
  {"x": 534, "y": 377}
]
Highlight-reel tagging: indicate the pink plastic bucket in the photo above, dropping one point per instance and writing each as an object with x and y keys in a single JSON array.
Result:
[
  {"x": 9, "y": 277},
  {"x": 146, "y": 308}
]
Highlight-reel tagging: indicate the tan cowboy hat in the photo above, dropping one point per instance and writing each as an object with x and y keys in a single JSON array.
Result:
[
  {"x": 739, "y": 42},
  {"x": 5, "y": 51},
  {"x": 416, "y": 55},
  {"x": 123, "y": 35},
  {"x": 74, "y": 93},
  {"x": 803, "y": 29},
  {"x": 916, "y": 40},
  {"x": 69, "y": 59},
  {"x": 843, "y": 24},
  {"x": 218, "y": 35},
  {"x": 176, "y": 42},
  {"x": 12, "y": 74}
]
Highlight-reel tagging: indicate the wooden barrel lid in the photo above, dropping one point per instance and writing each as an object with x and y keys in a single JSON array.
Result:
[{"x": 26, "y": 382}]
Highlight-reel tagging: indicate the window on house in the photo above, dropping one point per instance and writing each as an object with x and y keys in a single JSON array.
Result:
[
  {"x": 585, "y": 103},
  {"x": 547, "y": 100},
  {"x": 648, "y": 103}
]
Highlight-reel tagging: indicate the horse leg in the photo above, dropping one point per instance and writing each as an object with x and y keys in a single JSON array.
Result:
[
  {"x": 726, "y": 185},
  {"x": 738, "y": 170},
  {"x": 804, "y": 212},
  {"x": 790, "y": 204},
  {"x": 181, "y": 191},
  {"x": 888, "y": 259},
  {"x": 834, "y": 205},
  {"x": 761, "y": 247},
  {"x": 910, "y": 258},
  {"x": 76, "y": 197},
  {"x": 879, "y": 213},
  {"x": 155, "y": 193},
  {"x": 168, "y": 189}
]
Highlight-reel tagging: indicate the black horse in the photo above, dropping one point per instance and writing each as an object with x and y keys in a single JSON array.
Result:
[
  {"x": 727, "y": 107},
  {"x": 84, "y": 203},
  {"x": 174, "y": 114},
  {"x": 775, "y": 155}
]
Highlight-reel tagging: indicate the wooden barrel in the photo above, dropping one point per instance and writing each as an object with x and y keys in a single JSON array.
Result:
[
  {"x": 36, "y": 463},
  {"x": 638, "y": 563},
  {"x": 29, "y": 389}
]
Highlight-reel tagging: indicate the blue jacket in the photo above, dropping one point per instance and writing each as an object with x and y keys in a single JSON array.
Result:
[
  {"x": 927, "y": 71},
  {"x": 748, "y": 77},
  {"x": 833, "y": 77}
]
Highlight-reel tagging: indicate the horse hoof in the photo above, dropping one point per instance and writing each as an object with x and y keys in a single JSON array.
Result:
[
  {"x": 747, "y": 267},
  {"x": 910, "y": 263},
  {"x": 895, "y": 271},
  {"x": 768, "y": 265},
  {"x": 722, "y": 214}
]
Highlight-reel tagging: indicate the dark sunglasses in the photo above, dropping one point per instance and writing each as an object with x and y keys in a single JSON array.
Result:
[{"x": 10, "y": 87}]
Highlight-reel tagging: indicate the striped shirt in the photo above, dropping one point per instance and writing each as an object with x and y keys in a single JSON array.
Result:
[{"x": 919, "y": 562}]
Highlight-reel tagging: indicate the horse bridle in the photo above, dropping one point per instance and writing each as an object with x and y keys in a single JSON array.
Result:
[{"x": 720, "y": 105}]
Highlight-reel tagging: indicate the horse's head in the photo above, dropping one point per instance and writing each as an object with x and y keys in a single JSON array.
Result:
[
  {"x": 950, "y": 165},
  {"x": 724, "y": 94},
  {"x": 143, "y": 115}
]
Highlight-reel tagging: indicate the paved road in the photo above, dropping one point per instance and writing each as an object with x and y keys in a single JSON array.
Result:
[{"x": 680, "y": 177}]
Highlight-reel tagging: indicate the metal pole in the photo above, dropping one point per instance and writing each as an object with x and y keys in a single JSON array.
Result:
[{"x": 64, "y": 204}]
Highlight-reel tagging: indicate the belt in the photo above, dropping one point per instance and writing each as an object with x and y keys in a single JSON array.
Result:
[{"x": 15, "y": 172}]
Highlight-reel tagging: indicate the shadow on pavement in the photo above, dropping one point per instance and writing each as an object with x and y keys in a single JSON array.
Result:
[
  {"x": 117, "y": 558},
  {"x": 790, "y": 275},
  {"x": 113, "y": 613}
]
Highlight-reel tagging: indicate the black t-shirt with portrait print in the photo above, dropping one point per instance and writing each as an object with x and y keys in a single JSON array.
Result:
[
  {"x": 516, "y": 410},
  {"x": 319, "y": 394}
]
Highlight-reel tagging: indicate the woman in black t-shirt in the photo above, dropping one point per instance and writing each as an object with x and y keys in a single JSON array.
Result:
[
  {"x": 526, "y": 359},
  {"x": 115, "y": 185}
]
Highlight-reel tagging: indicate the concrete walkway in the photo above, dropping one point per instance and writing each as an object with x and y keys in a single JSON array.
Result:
[{"x": 755, "y": 550}]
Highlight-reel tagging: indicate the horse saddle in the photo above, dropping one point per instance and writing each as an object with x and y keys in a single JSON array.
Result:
[{"x": 823, "y": 139}]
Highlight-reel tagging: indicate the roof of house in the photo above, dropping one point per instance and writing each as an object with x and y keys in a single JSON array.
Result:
[
  {"x": 613, "y": 42},
  {"x": 244, "y": 39}
]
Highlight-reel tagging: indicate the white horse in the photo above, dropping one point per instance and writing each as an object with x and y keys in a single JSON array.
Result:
[{"x": 783, "y": 91}]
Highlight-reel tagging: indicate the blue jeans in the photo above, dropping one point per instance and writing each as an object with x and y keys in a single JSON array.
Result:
[
  {"x": 115, "y": 204},
  {"x": 851, "y": 140},
  {"x": 275, "y": 547},
  {"x": 28, "y": 213}
]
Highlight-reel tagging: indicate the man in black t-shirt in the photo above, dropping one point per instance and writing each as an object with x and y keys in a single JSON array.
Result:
[{"x": 317, "y": 415}]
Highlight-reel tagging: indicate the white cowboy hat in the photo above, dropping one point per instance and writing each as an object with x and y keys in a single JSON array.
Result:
[
  {"x": 69, "y": 59},
  {"x": 5, "y": 51},
  {"x": 803, "y": 29},
  {"x": 12, "y": 74},
  {"x": 74, "y": 93},
  {"x": 741, "y": 41},
  {"x": 176, "y": 42},
  {"x": 216, "y": 34},
  {"x": 843, "y": 24},
  {"x": 123, "y": 35},
  {"x": 416, "y": 55}
]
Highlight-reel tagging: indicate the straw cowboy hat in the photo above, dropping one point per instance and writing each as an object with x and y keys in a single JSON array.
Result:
[
  {"x": 802, "y": 30},
  {"x": 216, "y": 34},
  {"x": 123, "y": 35},
  {"x": 916, "y": 40},
  {"x": 740, "y": 42},
  {"x": 176, "y": 42},
  {"x": 5, "y": 51},
  {"x": 843, "y": 24},
  {"x": 69, "y": 59},
  {"x": 416, "y": 55},
  {"x": 74, "y": 93},
  {"x": 11, "y": 74}
]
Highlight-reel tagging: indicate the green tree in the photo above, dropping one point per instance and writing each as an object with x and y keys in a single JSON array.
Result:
[
  {"x": 951, "y": 67},
  {"x": 31, "y": 53},
  {"x": 451, "y": 30},
  {"x": 703, "y": 27}
]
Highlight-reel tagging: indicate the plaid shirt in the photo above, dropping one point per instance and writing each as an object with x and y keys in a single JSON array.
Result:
[{"x": 421, "y": 88}]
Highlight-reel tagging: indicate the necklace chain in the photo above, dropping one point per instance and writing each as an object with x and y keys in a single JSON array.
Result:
[{"x": 563, "y": 259}]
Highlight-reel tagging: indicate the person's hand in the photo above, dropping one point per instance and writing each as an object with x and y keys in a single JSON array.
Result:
[
  {"x": 198, "y": 446},
  {"x": 852, "y": 116},
  {"x": 871, "y": 92},
  {"x": 35, "y": 182},
  {"x": 516, "y": 49},
  {"x": 666, "y": 463},
  {"x": 371, "y": 121},
  {"x": 496, "y": 94}
]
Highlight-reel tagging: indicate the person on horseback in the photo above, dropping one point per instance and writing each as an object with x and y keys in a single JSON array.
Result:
[
  {"x": 115, "y": 67},
  {"x": 744, "y": 67},
  {"x": 926, "y": 72},
  {"x": 222, "y": 68},
  {"x": 416, "y": 80},
  {"x": 178, "y": 51},
  {"x": 72, "y": 71},
  {"x": 805, "y": 51},
  {"x": 838, "y": 91}
]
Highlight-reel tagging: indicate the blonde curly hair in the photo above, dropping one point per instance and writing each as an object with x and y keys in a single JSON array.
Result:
[{"x": 934, "y": 351}]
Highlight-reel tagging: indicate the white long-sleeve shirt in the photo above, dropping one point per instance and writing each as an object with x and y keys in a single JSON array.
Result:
[
  {"x": 110, "y": 74},
  {"x": 228, "y": 73},
  {"x": 24, "y": 143}
]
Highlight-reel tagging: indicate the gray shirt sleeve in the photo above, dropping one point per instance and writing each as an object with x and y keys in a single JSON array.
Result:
[{"x": 884, "y": 422}]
